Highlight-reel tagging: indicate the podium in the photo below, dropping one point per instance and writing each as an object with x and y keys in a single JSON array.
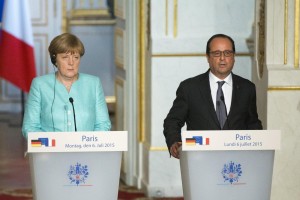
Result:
[
  {"x": 76, "y": 165},
  {"x": 228, "y": 165}
]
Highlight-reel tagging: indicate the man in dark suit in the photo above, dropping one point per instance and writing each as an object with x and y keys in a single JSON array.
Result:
[{"x": 199, "y": 106}]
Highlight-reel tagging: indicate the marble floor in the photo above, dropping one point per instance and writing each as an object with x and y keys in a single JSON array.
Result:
[{"x": 14, "y": 167}]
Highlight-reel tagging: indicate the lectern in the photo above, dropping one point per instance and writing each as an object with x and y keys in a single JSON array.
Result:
[
  {"x": 228, "y": 165},
  {"x": 76, "y": 165}
]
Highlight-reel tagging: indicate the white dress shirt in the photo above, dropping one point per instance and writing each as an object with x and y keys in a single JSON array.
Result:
[{"x": 227, "y": 89}]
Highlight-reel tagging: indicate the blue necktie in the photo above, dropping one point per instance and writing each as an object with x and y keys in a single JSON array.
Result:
[{"x": 220, "y": 105}]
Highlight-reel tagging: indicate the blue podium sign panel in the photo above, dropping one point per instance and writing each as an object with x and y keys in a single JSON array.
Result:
[
  {"x": 214, "y": 165},
  {"x": 70, "y": 166}
]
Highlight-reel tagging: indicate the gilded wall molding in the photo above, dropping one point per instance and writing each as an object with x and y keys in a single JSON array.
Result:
[
  {"x": 284, "y": 88},
  {"x": 64, "y": 20},
  {"x": 84, "y": 17},
  {"x": 175, "y": 18},
  {"x": 285, "y": 31},
  {"x": 167, "y": 16},
  {"x": 142, "y": 69},
  {"x": 241, "y": 54},
  {"x": 148, "y": 147},
  {"x": 119, "y": 47},
  {"x": 110, "y": 99},
  {"x": 175, "y": 26},
  {"x": 92, "y": 22},
  {"x": 120, "y": 8},
  {"x": 89, "y": 13},
  {"x": 261, "y": 39},
  {"x": 119, "y": 103},
  {"x": 296, "y": 34}
]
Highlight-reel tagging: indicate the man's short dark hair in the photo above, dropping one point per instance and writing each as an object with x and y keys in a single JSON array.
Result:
[{"x": 219, "y": 36}]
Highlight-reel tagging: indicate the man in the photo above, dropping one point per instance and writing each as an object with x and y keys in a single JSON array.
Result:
[{"x": 215, "y": 100}]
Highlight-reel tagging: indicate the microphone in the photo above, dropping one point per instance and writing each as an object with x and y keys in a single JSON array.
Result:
[{"x": 71, "y": 101}]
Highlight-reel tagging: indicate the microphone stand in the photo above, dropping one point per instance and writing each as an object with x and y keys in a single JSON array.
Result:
[{"x": 71, "y": 101}]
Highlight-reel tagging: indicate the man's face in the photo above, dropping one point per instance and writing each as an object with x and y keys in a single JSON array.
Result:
[{"x": 221, "y": 57}]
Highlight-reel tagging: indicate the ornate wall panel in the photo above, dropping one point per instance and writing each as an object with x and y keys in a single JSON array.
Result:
[
  {"x": 120, "y": 8},
  {"x": 119, "y": 47},
  {"x": 39, "y": 12},
  {"x": 40, "y": 46},
  {"x": 120, "y": 102}
]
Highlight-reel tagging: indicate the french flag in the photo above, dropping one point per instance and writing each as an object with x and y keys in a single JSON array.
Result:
[{"x": 17, "y": 63}]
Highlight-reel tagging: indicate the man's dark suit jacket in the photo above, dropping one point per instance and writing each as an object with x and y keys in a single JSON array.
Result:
[{"x": 194, "y": 106}]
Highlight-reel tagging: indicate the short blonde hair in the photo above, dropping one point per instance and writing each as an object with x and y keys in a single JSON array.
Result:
[{"x": 65, "y": 43}]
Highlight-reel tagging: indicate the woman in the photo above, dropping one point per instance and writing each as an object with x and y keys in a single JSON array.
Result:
[{"x": 66, "y": 100}]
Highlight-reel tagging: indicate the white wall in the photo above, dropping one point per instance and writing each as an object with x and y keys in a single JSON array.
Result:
[{"x": 176, "y": 57}]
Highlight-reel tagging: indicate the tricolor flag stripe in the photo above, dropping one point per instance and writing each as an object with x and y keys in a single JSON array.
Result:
[
  {"x": 207, "y": 141},
  {"x": 16, "y": 20},
  {"x": 43, "y": 142},
  {"x": 53, "y": 143},
  {"x": 190, "y": 141},
  {"x": 23, "y": 56},
  {"x": 201, "y": 140},
  {"x": 1, "y": 9},
  {"x": 36, "y": 145},
  {"x": 17, "y": 64}
]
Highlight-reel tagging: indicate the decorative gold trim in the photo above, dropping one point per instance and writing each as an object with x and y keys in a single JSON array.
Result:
[
  {"x": 64, "y": 21},
  {"x": 119, "y": 10},
  {"x": 261, "y": 46},
  {"x": 283, "y": 88},
  {"x": 194, "y": 54},
  {"x": 158, "y": 148},
  {"x": 110, "y": 99},
  {"x": 285, "y": 30},
  {"x": 175, "y": 17},
  {"x": 148, "y": 147},
  {"x": 142, "y": 60},
  {"x": 296, "y": 39},
  {"x": 119, "y": 61},
  {"x": 92, "y": 22},
  {"x": 119, "y": 113},
  {"x": 89, "y": 13},
  {"x": 167, "y": 17}
]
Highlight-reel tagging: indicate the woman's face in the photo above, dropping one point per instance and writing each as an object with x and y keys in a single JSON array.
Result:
[{"x": 68, "y": 65}]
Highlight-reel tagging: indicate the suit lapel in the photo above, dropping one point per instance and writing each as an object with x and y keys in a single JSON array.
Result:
[
  {"x": 206, "y": 93},
  {"x": 234, "y": 99}
]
